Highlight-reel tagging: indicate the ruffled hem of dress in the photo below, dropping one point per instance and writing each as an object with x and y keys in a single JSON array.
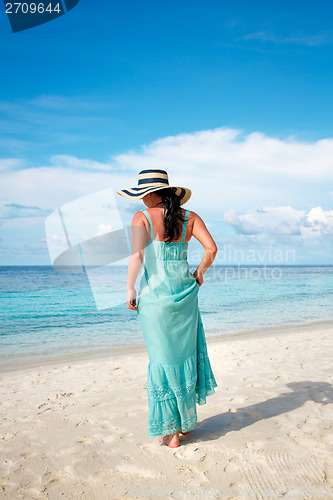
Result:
[
  {"x": 171, "y": 426},
  {"x": 173, "y": 389},
  {"x": 206, "y": 383},
  {"x": 169, "y": 381}
]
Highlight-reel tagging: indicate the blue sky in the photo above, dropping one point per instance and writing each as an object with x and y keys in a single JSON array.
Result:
[{"x": 234, "y": 99}]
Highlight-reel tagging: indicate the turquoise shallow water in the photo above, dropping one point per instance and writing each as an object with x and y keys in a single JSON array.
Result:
[{"x": 46, "y": 314}]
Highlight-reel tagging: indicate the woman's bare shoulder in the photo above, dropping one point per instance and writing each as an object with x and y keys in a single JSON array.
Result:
[
  {"x": 193, "y": 216},
  {"x": 139, "y": 219}
]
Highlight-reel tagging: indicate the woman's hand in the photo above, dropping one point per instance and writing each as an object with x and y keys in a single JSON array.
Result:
[
  {"x": 131, "y": 299},
  {"x": 198, "y": 276}
]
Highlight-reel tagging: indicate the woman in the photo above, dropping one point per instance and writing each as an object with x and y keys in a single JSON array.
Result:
[{"x": 179, "y": 372}]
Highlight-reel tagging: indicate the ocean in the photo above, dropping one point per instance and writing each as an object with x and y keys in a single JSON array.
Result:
[{"x": 49, "y": 315}]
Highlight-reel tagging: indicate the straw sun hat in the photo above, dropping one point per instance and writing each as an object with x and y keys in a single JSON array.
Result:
[{"x": 152, "y": 179}]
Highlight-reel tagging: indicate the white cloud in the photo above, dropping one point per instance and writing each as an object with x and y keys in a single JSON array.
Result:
[
  {"x": 242, "y": 225},
  {"x": 309, "y": 40},
  {"x": 72, "y": 162},
  {"x": 325, "y": 217},
  {"x": 261, "y": 178},
  {"x": 319, "y": 224},
  {"x": 282, "y": 222},
  {"x": 56, "y": 103},
  {"x": 219, "y": 165},
  {"x": 15, "y": 211},
  {"x": 283, "y": 228},
  {"x": 11, "y": 163},
  {"x": 74, "y": 102},
  {"x": 225, "y": 151}
]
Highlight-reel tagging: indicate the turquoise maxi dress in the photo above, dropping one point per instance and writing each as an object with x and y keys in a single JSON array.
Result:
[{"x": 179, "y": 372}]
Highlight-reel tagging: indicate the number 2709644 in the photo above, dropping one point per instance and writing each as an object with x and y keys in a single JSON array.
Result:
[{"x": 31, "y": 8}]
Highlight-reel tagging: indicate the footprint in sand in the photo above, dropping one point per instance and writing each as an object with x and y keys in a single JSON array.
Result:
[
  {"x": 255, "y": 445},
  {"x": 250, "y": 379},
  {"x": 310, "y": 443},
  {"x": 232, "y": 468},
  {"x": 6, "y": 466},
  {"x": 85, "y": 440},
  {"x": 125, "y": 436},
  {"x": 28, "y": 481},
  {"x": 150, "y": 445},
  {"x": 125, "y": 469},
  {"x": 242, "y": 362},
  {"x": 28, "y": 454},
  {"x": 238, "y": 400},
  {"x": 103, "y": 438},
  {"x": 190, "y": 474},
  {"x": 189, "y": 451}
]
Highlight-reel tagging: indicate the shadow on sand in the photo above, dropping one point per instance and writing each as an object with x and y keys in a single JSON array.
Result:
[{"x": 301, "y": 392}]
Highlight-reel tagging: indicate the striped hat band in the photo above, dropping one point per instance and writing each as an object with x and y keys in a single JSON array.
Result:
[{"x": 152, "y": 180}]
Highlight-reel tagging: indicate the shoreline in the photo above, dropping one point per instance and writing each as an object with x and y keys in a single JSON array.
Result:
[{"x": 123, "y": 352}]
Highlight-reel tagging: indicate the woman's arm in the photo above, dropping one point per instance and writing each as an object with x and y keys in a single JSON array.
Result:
[
  {"x": 139, "y": 236},
  {"x": 201, "y": 233}
]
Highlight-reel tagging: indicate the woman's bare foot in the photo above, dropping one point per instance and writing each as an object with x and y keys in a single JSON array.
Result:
[
  {"x": 183, "y": 432},
  {"x": 171, "y": 440}
]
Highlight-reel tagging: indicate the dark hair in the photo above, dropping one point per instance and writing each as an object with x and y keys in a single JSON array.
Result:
[{"x": 173, "y": 217}]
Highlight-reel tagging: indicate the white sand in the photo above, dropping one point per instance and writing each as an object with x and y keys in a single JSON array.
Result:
[{"x": 79, "y": 430}]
